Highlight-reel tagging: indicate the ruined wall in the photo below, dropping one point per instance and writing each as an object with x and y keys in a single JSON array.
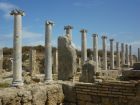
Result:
[
  {"x": 1, "y": 58},
  {"x": 108, "y": 93},
  {"x": 109, "y": 74},
  {"x": 35, "y": 94}
]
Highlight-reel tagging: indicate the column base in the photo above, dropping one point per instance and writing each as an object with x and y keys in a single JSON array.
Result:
[
  {"x": 49, "y": 82},
  {"x": 17, "y": 83}
]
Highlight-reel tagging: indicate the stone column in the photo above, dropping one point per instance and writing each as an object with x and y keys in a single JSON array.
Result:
[
  {"x": 122, "y": 54},
  {"x": 84, "y": 46},
  {"x": 138, "y": 54},
  {"x": 112, "y": 54},
  {"x": 17, "y": 50},
  {"x": 104, "y": 38},
  {"x": 11, "y": 59},
  {"x": 95, "y": 51},
  {"x": 126, "y": 54},
  {"x": 130, "y": 56},
  {"x": 33, "y": 62},
  {"x": 55, "y": 62},
  {"x": 1, "y": 58},
  {"x": 118, "y": 55},
  {"x": 48, "y": 51},
  {"x": 68, "y": 29}
]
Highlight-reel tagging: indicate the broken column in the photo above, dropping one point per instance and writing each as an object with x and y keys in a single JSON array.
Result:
[
  {"x": 104, "y": 38},
  {"x": 118, "y": 55},
  {"x": 17, "y": 50},
  {"x": 67, "y": 56},
  {"x": 95, "y": 51},
  {"x": 55, "y": 62},
  {"x": 48, "y": 51},
  {"x": 122, "y": 54},
  {"x": 33, "y": 63},
  {"x": 112, "y": 54},
  {"x": 84, "y": 46},
  {"x": 68, "y": 29},
  {"x": 138, "y": 54},
  {"x": 126, "y": 54},
  {"x": 1, "y": 58},
  {"x": 130, "y": 56}
]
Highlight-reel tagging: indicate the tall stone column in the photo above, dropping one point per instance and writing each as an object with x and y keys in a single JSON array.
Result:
[
  {"x": 48, "y": 51},
  {"x": 126, "y": 54},
  {"x": 17, "y": 48},
  {"x": 122, "y": 54},
  {"x": 95, "y": 51},
  {"x": 33, "y": 64},
  {"x": 138, "y": 54},
  {"x": 118, "y": 55},
  {"x": 1, "y": 58},
  {"x": 84, "y": 45},
  {"x": 112, "y": 53},
  {"x": 104, "y": 38},
  {"x": 55, "y": 62},
  {"x": 130, "y": 56},
  {"x": 68, "y": 29}
]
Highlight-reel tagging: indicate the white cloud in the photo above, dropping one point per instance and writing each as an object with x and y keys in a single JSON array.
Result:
[
  {"x": 89, "y": 4},
  {"x": 29, "y": 38},
  {"x": 6, "y": 8}
]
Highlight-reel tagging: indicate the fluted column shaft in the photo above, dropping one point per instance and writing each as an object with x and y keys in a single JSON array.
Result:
[
  {"x": 104, "y": 38},
  {"x": 32, "y": 61},
  {"x": 130, "y": 56},
  {"x": 17, "y": 47},
  {"x": 95, "y": 51},
  {"x": 84, "y": 45},
  {"x": 118, "y": 55},
  {"x": 1, "y": 58},
  {"x": 138, "y": 54},
  {"x": 126, "y": 54},
  {"x": 48, "y": 51},
  {"x": 55, "y": 62},
  {"x": 122, "y": 54},
  {"x": 112, "y": 53}
]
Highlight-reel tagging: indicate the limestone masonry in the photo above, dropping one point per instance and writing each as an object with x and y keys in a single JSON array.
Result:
[{"x": 64, "y": 75}]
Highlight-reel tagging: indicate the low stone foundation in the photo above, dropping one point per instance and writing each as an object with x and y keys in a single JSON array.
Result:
[
  {"x": 107, "y": 93},
  {"x": 69, "y": 93},
  {"x": 35, "y": 94}
]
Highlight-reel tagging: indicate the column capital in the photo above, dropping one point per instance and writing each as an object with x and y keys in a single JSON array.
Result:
[
  {"x": 95, "y": 35},
  {"x": 17, "y": 12},
  {"x": 49, "y": 22},
  {"x": 68, "y": 27},
  {"x": 104, "y": 37},
  {"x": 83, "y": 31},
  {"x": 111, "y": 39}
]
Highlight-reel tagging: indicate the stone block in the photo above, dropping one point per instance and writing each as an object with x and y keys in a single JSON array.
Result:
[
  {"x": 136, "y": 66},
  {"x": 67, "y": 65},
  {"x": 88, "y": 72}
]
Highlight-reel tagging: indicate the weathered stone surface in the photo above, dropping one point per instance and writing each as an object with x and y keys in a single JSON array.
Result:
[
  {"x": 131, "y": 74},
  {"x": 66, "y": 59},
  {"x": 136, "y": 66},
  {"x": 35, "y": 94},
  {"x": 68, "y": 90},
  {"x": 88, "y": 72},
  {"x": 33, "y": 65},
  {"x": 1, "y": 58}
]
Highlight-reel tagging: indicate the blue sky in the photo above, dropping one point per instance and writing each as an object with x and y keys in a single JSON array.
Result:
[{"x": 118, "y": 19}]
